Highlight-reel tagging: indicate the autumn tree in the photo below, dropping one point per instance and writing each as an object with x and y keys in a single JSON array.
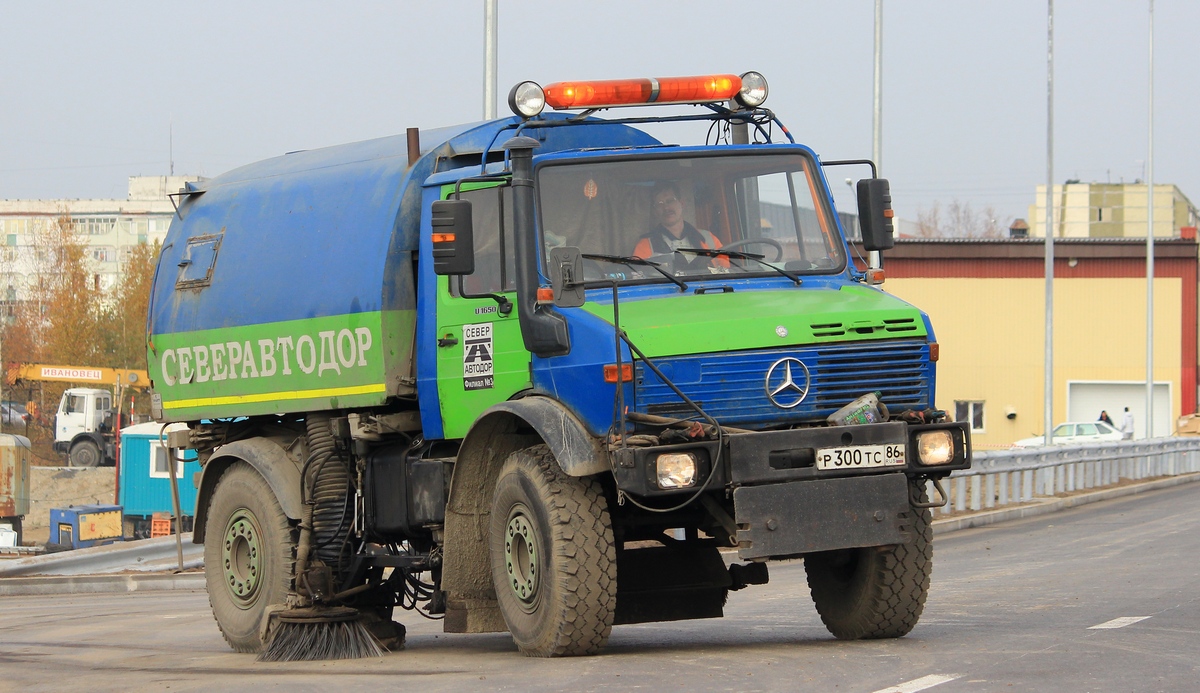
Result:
[
  {"x": 125, "y": 317},
  {"x": 65, "y": 317}
]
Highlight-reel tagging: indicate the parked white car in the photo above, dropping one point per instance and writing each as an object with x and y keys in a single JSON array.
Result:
[{"x": 1074, "y": 433}]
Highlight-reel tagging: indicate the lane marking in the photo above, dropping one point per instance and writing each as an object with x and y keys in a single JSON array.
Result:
[
  {"x": 1119, "y": 622},
  {"x": 920, "y": 684}
]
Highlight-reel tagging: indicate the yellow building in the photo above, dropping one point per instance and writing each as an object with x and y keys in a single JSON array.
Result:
[
  {"x": 986, "y": 301},
  {"x": 1112, "y": 210}
]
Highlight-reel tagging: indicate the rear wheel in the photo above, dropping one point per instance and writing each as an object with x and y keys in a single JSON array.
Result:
[
  {"x": 249, "y": 550},
  {"x": 553, "y": 559},
  {"x": 84, "y": 453},
  {"x": 874, "y": 592}
]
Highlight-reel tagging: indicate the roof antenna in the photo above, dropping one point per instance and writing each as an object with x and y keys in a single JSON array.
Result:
[{"x": 171, "y": 146}]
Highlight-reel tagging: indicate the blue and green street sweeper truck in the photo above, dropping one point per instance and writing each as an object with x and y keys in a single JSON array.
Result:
[{"x": 535, "y": 374}]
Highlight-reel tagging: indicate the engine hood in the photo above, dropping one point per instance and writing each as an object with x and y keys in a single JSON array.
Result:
[{"x": 689, "y": 323}]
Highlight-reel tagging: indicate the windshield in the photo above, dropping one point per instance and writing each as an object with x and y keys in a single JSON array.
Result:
[{"x": 766, "y": 211}]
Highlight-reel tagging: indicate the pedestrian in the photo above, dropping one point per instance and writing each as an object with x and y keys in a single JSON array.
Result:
[
  {"x": 1106, "y": 418},
  {"x": 1127, "y": 425}
]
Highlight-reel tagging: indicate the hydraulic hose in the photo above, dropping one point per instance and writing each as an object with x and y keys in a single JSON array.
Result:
[{"x": 330, "y": 494}]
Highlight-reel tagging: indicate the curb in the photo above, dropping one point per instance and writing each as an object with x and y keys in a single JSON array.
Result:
[
  {"x": 155, "y": 582},
  {"x": 1053, "y": 505},
  {"x": 93, "y": 584}
]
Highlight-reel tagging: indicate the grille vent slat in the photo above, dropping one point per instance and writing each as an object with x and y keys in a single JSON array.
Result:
[{"x": 732, "y": 384}]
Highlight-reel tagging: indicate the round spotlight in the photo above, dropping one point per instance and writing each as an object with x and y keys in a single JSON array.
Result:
[
  {"x": 527, "y": 99},
  {"x": 754, "y": 90}
]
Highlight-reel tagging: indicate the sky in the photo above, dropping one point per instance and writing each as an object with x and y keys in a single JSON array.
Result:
[{"x": 91, "y": 93}]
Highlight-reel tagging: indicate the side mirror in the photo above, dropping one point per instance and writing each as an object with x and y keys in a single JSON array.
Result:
[
  {"x": 566, "y": 276},
  {"x": 875, "y": 214},
  {"x": 453, "y": 238}
]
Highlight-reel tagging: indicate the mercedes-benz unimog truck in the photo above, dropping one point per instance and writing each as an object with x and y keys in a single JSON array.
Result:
[{"x": 548, "y": 374}]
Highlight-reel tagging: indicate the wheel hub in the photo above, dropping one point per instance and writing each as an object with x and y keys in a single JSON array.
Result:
[
  {"x": 521, "y": 557},
  {"x": 241, "y": 556}
]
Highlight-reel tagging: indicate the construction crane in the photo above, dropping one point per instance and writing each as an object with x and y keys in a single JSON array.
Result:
[{"x": 85, "y": 424}]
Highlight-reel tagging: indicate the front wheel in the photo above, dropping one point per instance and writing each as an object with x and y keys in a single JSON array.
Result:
[
  {"x": 249, "y": 549},
  {"x": 553, "y": 559},
  {"x": 874, "y": 592},
  {"x": 85, "y": 453}
]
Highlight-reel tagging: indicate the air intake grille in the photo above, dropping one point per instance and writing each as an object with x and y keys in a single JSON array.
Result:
[{"x": 731, "y": 386}]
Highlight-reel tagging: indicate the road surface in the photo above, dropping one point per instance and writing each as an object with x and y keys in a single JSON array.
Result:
[{"x": 1104, "y": 597}]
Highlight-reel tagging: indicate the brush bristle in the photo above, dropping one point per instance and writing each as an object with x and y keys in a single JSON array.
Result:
[{"x": 297, "y": 642}]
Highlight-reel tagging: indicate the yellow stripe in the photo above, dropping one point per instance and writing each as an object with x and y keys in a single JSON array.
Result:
[{"x": 273, "y": 396}]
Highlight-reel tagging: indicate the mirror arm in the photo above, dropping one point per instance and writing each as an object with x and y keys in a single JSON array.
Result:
[{"x": 503, "y": 305}]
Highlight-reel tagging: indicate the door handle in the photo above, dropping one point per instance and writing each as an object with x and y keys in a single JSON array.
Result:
[{"x": 448, "y": 340}]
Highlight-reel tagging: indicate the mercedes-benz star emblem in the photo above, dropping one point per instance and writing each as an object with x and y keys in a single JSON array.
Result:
[{"x": 787, "y": 382}]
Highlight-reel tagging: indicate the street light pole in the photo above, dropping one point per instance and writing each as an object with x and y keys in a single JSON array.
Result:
[
  {"x": 1150, "y": 245},
  {"x": 1048, "y": 385},
  {"x": 875, "y": 258},
  {"x": 489, "y": 59}
]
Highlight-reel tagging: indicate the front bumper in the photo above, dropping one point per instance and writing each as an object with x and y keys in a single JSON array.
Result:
[
  {"x": 772, "y": 457},
  {"x": 784, "y": 506}
]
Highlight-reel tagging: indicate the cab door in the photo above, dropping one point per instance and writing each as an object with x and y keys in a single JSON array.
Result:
[
  {"x": 71, "y": 418},
  {"x": 481, "y": 358}
]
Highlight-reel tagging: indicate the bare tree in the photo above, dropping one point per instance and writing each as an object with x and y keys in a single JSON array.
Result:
[{"x": 960, "y": 221}]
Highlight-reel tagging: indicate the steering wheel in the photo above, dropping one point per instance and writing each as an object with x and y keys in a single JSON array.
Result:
[{"x": 757, "y": 241}]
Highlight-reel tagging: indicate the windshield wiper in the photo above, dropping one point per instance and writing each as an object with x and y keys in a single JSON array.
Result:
[
  {"x": 708, "y": 252},
  {"x": 632, "y": 260}
]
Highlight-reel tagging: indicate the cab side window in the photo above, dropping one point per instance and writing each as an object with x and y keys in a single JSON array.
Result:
[{"x": 495, "y": 260}]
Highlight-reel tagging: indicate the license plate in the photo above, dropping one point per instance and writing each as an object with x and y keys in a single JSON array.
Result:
[{"x": 861, "y": 457}]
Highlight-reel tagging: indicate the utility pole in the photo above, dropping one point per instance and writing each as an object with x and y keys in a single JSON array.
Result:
[{"x": 489, "y": 59}]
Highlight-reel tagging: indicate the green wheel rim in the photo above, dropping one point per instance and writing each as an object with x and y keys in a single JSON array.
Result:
[
  {"x": 521, "y": 552},
  {"x": 242, "y": 557}
]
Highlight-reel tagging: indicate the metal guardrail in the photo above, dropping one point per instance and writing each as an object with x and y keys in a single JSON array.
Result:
[
  {"x": 999, "y": 478},
  {"x": 141, "y": 555}
]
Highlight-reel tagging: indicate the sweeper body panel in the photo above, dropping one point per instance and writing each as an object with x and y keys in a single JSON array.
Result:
[{"x": 532, "y": 374}]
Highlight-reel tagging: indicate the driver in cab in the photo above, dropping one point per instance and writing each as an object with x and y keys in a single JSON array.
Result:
[{"x": 673, "y": 233}]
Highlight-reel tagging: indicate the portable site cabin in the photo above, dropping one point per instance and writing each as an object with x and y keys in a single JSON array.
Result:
[
  {"x": 146, "y": 478},
  {"x": 14, "y": 487}
]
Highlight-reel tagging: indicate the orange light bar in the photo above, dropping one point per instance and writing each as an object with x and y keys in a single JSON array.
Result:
[
  {"x": 934, "y": 351},
  {"x": 610, "y": 373},
  {"x": 545, "y": 294},
  {"x": 634, "y": 92},
  {"x": 443, "y": 238}
]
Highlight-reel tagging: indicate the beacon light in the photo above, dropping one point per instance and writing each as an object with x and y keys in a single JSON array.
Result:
[{"x": 642, "y": 91}]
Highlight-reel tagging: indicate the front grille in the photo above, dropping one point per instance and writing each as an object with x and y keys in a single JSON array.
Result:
[{"x": 731, "y": 386}]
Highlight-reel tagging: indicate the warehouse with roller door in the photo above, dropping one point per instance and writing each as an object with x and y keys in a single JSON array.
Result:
[{"x": 987, "y": 297}]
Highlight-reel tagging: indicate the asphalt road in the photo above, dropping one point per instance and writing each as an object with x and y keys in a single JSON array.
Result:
[{"x": 1014, "y": 607}]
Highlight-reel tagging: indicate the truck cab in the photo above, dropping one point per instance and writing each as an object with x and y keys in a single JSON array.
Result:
[{"x": 83, "y": 426}]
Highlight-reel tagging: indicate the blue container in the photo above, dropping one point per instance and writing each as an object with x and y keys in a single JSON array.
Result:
[
  {"x": 146, "y": 478},
  {"x": 80, "y": 526}
]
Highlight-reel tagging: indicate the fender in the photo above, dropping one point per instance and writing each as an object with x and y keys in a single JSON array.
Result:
[
  {"x": 501, "y": 430},
  {"x": 577, "y": 451},
  {"x": 269, "y": 459}
]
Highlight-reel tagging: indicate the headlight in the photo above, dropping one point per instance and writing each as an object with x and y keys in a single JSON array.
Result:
[
  {"x": 935, "y": 447},
  {"x": 754, "y": 90},
  {"x": 527, "y": 99},
  {"x": 676, "y": 470}
]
